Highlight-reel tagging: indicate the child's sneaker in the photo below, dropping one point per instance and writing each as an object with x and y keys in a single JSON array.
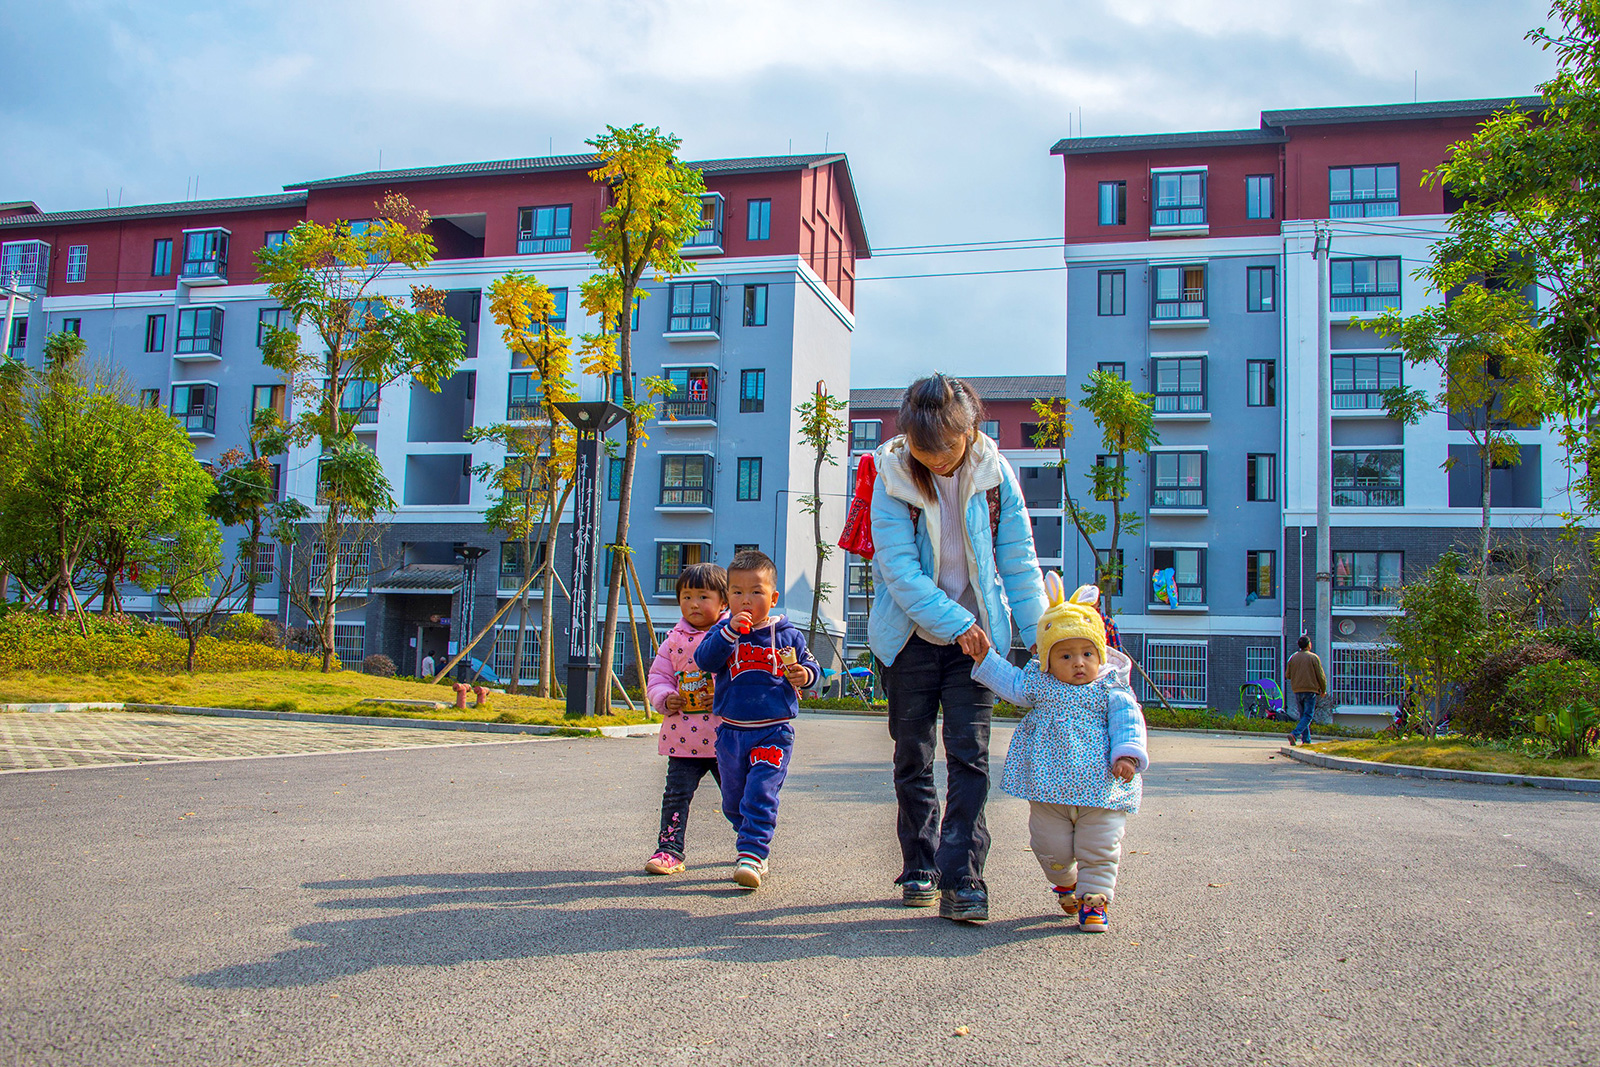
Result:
[
  {"x": 748, "y": 871},
  {"x": 663, "y": 863},
  {"x": 1092, "y": 914},
  {"x": 1067, "y": 897}
]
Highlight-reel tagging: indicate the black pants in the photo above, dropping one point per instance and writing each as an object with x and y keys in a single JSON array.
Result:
[
  {"x": 683, "y": 778},
  {"x": 923, "y": 679}
]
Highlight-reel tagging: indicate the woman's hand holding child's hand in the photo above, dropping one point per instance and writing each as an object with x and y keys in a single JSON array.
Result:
[
  {"x": 1125, "y": 768},
  {"x": 974, "y": 642},
  {"x": 674, "y": 704}
]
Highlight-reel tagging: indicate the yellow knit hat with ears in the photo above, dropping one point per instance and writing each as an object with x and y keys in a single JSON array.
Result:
[{"x": 1064, "y": 619}]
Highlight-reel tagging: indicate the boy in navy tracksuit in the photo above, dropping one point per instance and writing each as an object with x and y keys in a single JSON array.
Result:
[{"x": 761, "y": 662}]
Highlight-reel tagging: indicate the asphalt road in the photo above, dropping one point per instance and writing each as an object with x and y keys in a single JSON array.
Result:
[{"x": 484, "y": 904}]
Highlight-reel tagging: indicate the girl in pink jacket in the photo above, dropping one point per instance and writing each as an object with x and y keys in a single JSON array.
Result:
[{"x": 681, "y": 692}]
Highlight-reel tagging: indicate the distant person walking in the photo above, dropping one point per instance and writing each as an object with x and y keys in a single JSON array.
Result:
[
  {"x": 1308, "y": 682},
  {"x": 427, "y": 666}
]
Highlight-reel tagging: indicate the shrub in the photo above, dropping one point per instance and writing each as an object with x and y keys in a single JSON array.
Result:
[
  {"x": 1484, "y": 708},
  {"x": 1559, "y": 697},
  {"x": 1582, "y": 644},
  {"x": 378, "y": 664},
  {"x": 38, "y": 642},
  {"x": 241, "y": 627}
]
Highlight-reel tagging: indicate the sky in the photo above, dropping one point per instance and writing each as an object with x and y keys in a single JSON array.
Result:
[{"x": 947, "y": 110}]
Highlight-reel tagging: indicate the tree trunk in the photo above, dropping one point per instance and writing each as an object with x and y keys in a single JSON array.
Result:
[
  {"x": 250, "y": 565},
  {"x": 194, "y": 640},
  {"x": 822, "y": 549},
  {"x": 522, "y": 611},
  {"x": 330, "y": 585},
  {"x": 630, "y": 459},
  {"x": 63, "y": 568},
  {"x": 1487, "y": 466}
]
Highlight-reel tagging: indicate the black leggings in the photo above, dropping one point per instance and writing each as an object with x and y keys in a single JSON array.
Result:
[{"x": 683, "y": 778}]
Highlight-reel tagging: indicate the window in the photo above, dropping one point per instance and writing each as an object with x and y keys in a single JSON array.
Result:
[
  {"x": 205, "y": 254},
  {"x": 755, "y": 305},
  {"x": 753, "y": 390},
  {"x": 709, "y": 234},
  {"x": 1030, "y": 433},
  {"x": 696, "y": 307},
  {"x": 1367, "y": 579},
  {"x": 503, "y": 658},
  {"x": 1261, "y": 574},
  {"x": 524, "y": 399},
  {"x": 1188, "y": 566},
  {"x": 1111, "y": 571},
  {"x": 195, "y": 406},
  {"x": 1119, "y": 370},
  {"x": 686, "y": 481},
  {"x": 759, "y": 225},
  {"x": 19, "y": 336},
  {"x": 1179, "y": 385},
  {"x": 265, "y": 564},
  {"x": 1113, "y": 292},
  {"x": 28, "y": 260},
  {"x": 1107, "y": 486},
  {"x": 634, "y": 324},
  {"x": 1261, "y": 383},
  {"x": 1260, "y": 661},
  {"x": 1041, "y": 488},
  {"x": 544, "y": 229},
  {"x": 1179, "y": 480},
  {"x": 511, "y": 560},
  {"x": 1358, "y": 382},
  {"x": 1180, "y": 292},
  {"x": 614, "y": 479},
  {"x": 693, "y": 396},
  {"x": 1177, "y": 669},
  {"x": 525, "y": 479},
  {"x": 750, "y": 479},
  {"x": 1511, "y": 485},
  {"x": 199, "y": 330},
  {"x": 360, "y": 401},
  {"x": 350, "y": 642},
  {"x": 271, "y": 319},
  {"x": 161, "y": 258},
  {"x": 672, "y": 557},
  {"x": 1368, "y": 479},
  {"x": 1181, "y": 199},
  {"x": 618, "y": 392},
  {"x": 990, "y": 428},
  {"x": 265, "y": 397},
  {"x": 1261, "y": 287},
  {"x": 149, "y": 398},
  {"x": 858, "y": 581},
  {"x": 1364, "y": 284},
  {"x": 277, "y": 481},
  {"x": 856, "y": 629},
  {"x": 74, "y": 326},
  {"x": 155, "y": 333},
  {"x": 1258, "y": 196},
  {"x": 77, "y": 263},
  {"x": 275, "y": 239},
  {"x": 1113, "y": 203},
  {"x": 1261, "y": 476},
  {"x": 1363, "y": 192},
  {"x": 1366, "y": 675},
  {"x": 743, "y": 548},
  {"x": 864, "y": 434}
]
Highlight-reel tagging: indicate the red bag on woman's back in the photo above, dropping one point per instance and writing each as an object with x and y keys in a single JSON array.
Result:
[{"x": 857, "y": 535}]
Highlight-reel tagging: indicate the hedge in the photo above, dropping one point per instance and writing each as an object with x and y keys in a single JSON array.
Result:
[{"x": 35, "y": 642}]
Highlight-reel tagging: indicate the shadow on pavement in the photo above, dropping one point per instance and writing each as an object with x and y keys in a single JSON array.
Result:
[{"x": 443, "y": 920}]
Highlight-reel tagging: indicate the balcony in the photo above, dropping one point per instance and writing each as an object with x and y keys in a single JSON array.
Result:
[
  {"x": 1365, "y": 593},
  {"x": 688, "y": 411},
  {"x": 707, "y": 240},
  {"x": 697, "y": 498},
  {"x": 194, "y": 406},
  {"x": 25, "y": 264},
  {"x": 205, "y": 257}
]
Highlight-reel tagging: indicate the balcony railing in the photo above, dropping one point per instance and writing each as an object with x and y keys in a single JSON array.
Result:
[
  {"x": 1169, "y": 403},
  {"x": 199, "y": 421},
  {"x": 674, "y": 496},
  {"x": 1358, "y": 400},
  {"x": 688, "y": 409},
  {"x": 1365, "y": 497},
  {"x": 364, "y": 416},
  {"x": 1363, "y": 595},
  {"x": 1191, "y": 306}
]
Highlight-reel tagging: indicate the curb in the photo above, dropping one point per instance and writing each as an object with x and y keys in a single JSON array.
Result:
[
  {"x": 1408, "y": 770},
  {"x": 1266, "y": 735},
  {"x": 639, "y": 730}
]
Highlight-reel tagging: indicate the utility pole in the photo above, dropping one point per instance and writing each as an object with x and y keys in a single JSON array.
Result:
[{"x": 1322, "y": 637}]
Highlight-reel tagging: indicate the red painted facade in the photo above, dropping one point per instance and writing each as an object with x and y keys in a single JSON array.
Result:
[
  {"x": 1417, "y": 147},
  {"x": 813, "y": 216},
  {"x": 1010, "y": 414},
  {"x": 1227, "y": 168}
]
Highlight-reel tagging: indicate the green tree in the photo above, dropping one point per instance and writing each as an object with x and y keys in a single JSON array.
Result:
[
  {"x": 526, "y": 506},
  {"x": 1493, "y": 377},
  {"x": 185, "y": 570},
  {"x": 335, "y": 279},
  {"x": 653, "y": 208},
  {"x": 1530, "y": 217},
  {"x": 1436, "y": 636},
  {"x": 245, "y": 496},
  {"x": 821, "y": 427},
  {"x": 1127, "y": 427}
]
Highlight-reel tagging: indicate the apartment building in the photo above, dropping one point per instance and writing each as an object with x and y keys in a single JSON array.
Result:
[
  {"x": 1011, "y": 422},
  {"x": 1190, "y": 272},
  {"x": 168, "y": 293}
]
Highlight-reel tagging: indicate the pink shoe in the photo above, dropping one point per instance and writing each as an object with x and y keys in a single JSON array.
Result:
[{"x": 664, "y": 863}]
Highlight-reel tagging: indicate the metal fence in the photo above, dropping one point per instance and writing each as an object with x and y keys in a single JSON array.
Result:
[
  {"x": 1366, "y": 676},
  {"x": 504, "y": 653},
  {"x": 1178, "y": 668},
  {"x": 350, "y": 643}
]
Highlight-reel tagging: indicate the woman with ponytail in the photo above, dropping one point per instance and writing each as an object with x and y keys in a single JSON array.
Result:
[{"x": 953, "y": 568}]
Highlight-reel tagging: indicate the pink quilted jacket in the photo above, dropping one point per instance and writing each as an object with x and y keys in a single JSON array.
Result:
[{"x": 692, "y": 734}]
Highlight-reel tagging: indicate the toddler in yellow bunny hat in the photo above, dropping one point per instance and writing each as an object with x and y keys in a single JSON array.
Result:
[{"x": 1076, "y": 757}]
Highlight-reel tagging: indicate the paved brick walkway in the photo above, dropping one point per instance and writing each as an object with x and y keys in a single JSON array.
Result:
[{"x": 78, "y": 739}]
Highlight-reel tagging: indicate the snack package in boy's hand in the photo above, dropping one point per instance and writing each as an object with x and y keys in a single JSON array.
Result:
[
  {"x": 696, "y": 689},
  {"x": 788, "y": 657}
]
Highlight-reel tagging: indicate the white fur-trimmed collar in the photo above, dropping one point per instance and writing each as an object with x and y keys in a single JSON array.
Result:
[{"x": 979, "y": 474}]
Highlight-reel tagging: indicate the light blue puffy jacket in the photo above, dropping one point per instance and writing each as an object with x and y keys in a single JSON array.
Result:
[{"x": 1003, "y": 569}]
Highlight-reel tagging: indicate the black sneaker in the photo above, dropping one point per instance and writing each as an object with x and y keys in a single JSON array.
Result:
[
  {"x": 919, "y": 892},
  {"x": 970, "y": 905}
]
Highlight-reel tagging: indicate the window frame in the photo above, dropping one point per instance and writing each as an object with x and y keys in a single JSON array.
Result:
[
  {"x": 749, "y": 481},
  {"x": 1365, "y": 203},
  {"x": 198, "y": 417},
  {"x": 280, "y": 319},
  {"x": 72, "y": 324},
  {"x": 1367, "y": 492},
  {"x": 1253, "y": 480},
  {"x": 1182, "y": 211},
  {"x": 1177, "y": 487},
  {"x": 1121, "y": 366},
  {"x": 1261, "y": 383},
  {"x": 530, "y": 397},
  {"x": 857, "y": 441},
  {"x": 277, "y": 396},
  {"x": 161, "y": 257},
  {"x": 667, "y": 582},
  {"x": 1373, "y": 299},
  {"x": 614, "y": 477},
  {"x": 1385, "y": 366},
  {"x": 1113, "y": 293},
  {"x": 1197, "y": 588},
  {"x": 1258, "y": 196},
  {"x": 694, "y": 319},
  {"x": 1345, "y": 592},
  {"x": 756, "y": 400},
  {"x": 1119, "y": 203},
  {"x": 684, "y": 493},
  {"x": 155, "y": 333},
  {"x": 211, "y": 339},
  {"x": 1159, "y": 395},
  {"x": 274, "y": 238},
  {"x": 1179, "y": 308},
  {"x": 211, "y": 258},
  {"x": 686, "y": 401},
  {"x": 532, "y": 243},
  {"x": 758, "y": 219},
  {"x": 1252, "y": 573},
  {"x": 1256, "y": 297},
  {"x": 77, "y": 263},
  {"x": 755, "y": 304}
]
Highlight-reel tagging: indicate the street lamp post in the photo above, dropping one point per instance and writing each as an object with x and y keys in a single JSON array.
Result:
[
  {"x": 590, "y": 419},
  {"x": 469, "y": 555}
]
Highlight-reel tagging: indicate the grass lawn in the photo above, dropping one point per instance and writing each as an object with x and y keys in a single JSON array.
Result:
[
  {"x": 1460, "y": 755},
  {"x": 340, "y": 693}
]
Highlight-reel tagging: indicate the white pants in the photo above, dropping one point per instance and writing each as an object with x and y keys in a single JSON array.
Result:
[{"x": 1077, "y": 845}]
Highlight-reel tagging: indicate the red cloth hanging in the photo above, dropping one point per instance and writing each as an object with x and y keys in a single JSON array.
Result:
[{"x": 857, "y": 535}]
